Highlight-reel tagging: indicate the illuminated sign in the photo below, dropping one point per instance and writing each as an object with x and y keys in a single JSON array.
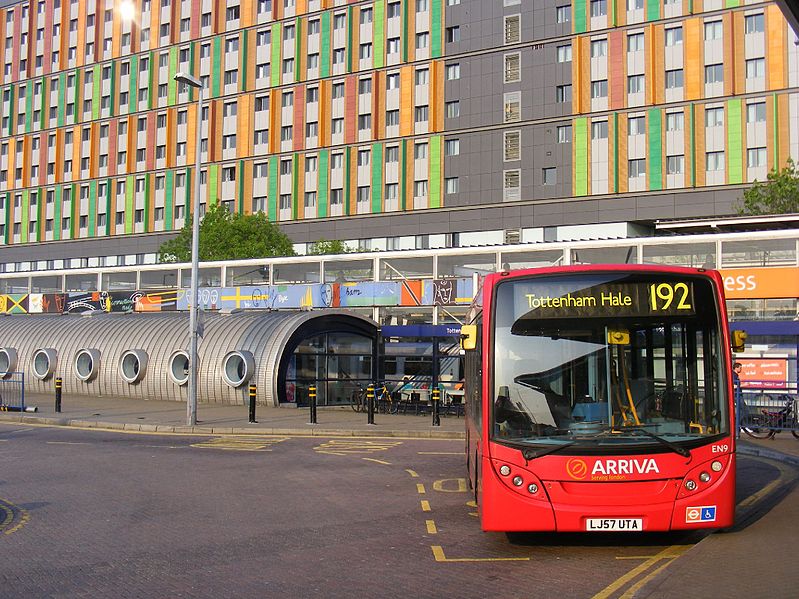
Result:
[{"x": 605, "y": 299}]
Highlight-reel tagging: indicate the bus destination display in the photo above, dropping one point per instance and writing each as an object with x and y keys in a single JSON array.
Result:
[{"x": 581, "y": 299}]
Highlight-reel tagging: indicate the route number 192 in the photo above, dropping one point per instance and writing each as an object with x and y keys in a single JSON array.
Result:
[{"x": 663, "y": 295}]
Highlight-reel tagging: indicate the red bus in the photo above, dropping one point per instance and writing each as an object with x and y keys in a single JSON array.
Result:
[{"x": 599, "y": 398}]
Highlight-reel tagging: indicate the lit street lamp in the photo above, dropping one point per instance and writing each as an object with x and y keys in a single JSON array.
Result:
[{"x": 191, "y": 404}]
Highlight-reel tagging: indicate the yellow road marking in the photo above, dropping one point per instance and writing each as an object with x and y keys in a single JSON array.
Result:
[
  {"x": 670, "y": 553},
  {"x": 8, "y": 509},
  {"x": 630, "y": 593},
  {"x": 3, "y": 440},
  {"x": 420, "y": 488},
  {"x": 425, "y": 505},
  {"x": 167, "y": 446},
  {"x": 460, "y": 485},
  {"x": 438, "y": 554},
  {"x": 786, "y": 476},
  {"x": 350, "y": 446},
  {"x": 431, "y": 527},
  {"x": 239, "y": 443},
  {"x": 412, "y": 473},
  {"x": 377, "y": 461}
]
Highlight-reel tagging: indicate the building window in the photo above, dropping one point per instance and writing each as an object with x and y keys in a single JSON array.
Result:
[
  {"x": 714, "y": 117},
  {"x": 635, "y": 42},
  {"x": 452, "y": 147},
  {"x": 511, "y": 185},
  {"x": 714, "y": 73},
  {"x": 511, "y": 145},
  {"x": 675, "y": 121},
  {"x": 450, "y": 185},
  {"x": 755, "y": 68},
  {"x": 512, "y": 110},
  {"x": 563, "y": 93},
  {"x": 453, "y": 34},
  {"x": 452, "y": 71},
  {"x": 563, "y": 14},
  {"x": 420, "y": 114},
  {"x": 755, "y": 157},
  {"x": 599, "y": 48},
  {"x": 674, "y": 79},
  {"x": 599, "y": 89},
  {"x": 675, "y": 164},
  {"x": 673, "y": 36},
  {"x": 636, "y": 125},
  {"x": 513, "y": 67},
  {"x": 754, "y": 23},
  {"x": 756, "y": 112},
  {"x": 549, "y": 175},
  {"x": 453, "y": 109},
  {"x": 564, "y": 134},
  {"x": 714, "y": 161},
  {"x": 713, "y": 30},
  {"x": 635, "y": 85},
  {"x": 599, "y": 130},
  {"x": 512, "y": 29},
  {"x": 636, "y": 168},
  {"x": 599, "y": 8}
]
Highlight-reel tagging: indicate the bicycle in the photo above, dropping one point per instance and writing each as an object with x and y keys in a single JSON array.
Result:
[
  {"x": 358, "y": 399},
  {"x": 385, "y": 404},
  {"x": 767, "y": 424}
]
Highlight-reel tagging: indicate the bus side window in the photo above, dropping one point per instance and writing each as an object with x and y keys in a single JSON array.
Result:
[{"x": 473, "y": 367}]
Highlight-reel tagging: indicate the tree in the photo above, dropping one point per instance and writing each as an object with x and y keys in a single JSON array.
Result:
[
  {"x": 226, "y": 236},
  {"x": 779, "y": 195},
  {"x": 324, "y": 246}
]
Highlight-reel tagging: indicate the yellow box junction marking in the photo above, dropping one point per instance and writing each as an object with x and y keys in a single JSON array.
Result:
[
  {"x": 670, "y": 554},
  {"x": 353, "y": 446},
  {"x": 240, "y": 443}
]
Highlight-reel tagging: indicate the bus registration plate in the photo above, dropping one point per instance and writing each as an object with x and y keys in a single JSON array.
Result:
[{"x": 612, "y": 524}]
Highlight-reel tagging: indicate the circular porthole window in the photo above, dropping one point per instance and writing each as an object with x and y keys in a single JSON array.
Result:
[
  {"x": 179, "y": 367},
  {"x": 238, "y": 368},
  {"x": 87, "y": 364},
  {"x": 8, "y": 361},
  {"x": 44, "y": 362},
  {"x": 133, "y": 365}
]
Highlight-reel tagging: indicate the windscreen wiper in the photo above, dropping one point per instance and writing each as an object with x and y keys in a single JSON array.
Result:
[
  {"x": 529, "y": 454},
  {"x": 673, "y": 446}
]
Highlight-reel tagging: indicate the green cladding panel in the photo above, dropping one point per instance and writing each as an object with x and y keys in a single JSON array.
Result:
[
  {"x": 732, "y": 3},
  {"x": 324, "y": 47},
  {"x": 97, "y": 90},
  {"x": 133, "y": 94},
  {"x": 109, "y": 206},
  {"x": 7, "y": 232},
  {"x": 25, "y": 215},
  {"x": 277, "y": 42},
  {"x": 652, "y": 10},
  {"x": 148, "y": 201},
  {"x": 434, "y": 184},
  {"x": 152, "y": 96},
  {"x": 579, "y": 16},
  {"x": 169, "y": 203},
  {"x": 130, "y": 205},
  {"x": 92, "y": 208},
  {"x": 655, "y": 149},
  {"x": 734, "y": 143},
  {"x": 377, "y": 178},
  {"x": 172, "y": 89},
  {"x": 57, "y": 212},
  {"x": 581, "y": 157},
  {"x": 297, "y": 62},
  {"x": 213, "y": 185},
  {"x": 62, "y": 102},
  {"x": 379, "y": 45},
  {"x": 435, "y": 28},
  {"x": 323, "y": 182},
  {"x": 112, "y": 89},
  {"x": 28, "y": 106},
  {"x": 272, "y": 199},
  {"x": 350, "y": 28},
  {"x": 243, "y": 59},
  {"x": 217, "y": 73}
]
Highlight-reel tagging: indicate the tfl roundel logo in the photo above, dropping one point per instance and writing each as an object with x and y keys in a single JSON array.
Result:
[{"x": 576, "y": 468}]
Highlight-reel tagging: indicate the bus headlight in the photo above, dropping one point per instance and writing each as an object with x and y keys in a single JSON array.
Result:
[
  {"x": 504, "y": 470},
  {"x": 690, "y": 484},
  {"x": 533, "y": 488},
  {"x": 518, "y": 481},
  {"x": 716, "y": 466},
  {"x": 704, "y": 477}
]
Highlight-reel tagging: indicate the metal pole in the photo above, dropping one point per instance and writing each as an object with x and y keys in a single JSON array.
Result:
[
  {"x": 194, "y": 366},
  {"x": 253, "y": 392},
  {"x": 58, "y": 394},
  {"x": 312, "y": 402},
  {"x": 370, "y": 404},
  {"x": 436, "y": 414}
]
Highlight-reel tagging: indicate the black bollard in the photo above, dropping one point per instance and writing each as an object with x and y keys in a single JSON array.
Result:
[
  {"x": 436, "y": 415},
  {"x": 370, "y": 399},
  {"x": 312, "y": 402},
  {"x": 58, "y": 394},
  {"x": 253, "y": 392}
]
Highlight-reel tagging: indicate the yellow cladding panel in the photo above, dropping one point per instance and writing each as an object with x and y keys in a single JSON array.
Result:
[
  {"x": 244, "y": 126},
  {"x": 694, "y": 72},
  {"x": 776, "y": 34},
  {"x": 406, "y": 100}
]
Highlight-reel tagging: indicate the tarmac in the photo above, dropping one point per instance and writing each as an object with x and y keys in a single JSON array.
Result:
[{"x": 763, "y": 541}]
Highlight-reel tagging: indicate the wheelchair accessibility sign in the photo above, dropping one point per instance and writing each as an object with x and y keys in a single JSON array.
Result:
[{"x": 701, "y": 513}]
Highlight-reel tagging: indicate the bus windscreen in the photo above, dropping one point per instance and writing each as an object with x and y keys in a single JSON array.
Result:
[{"x": 608, "y": 359}]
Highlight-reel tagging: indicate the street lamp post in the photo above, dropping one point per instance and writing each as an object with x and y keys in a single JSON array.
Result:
[{"x": 194, "y": 366}]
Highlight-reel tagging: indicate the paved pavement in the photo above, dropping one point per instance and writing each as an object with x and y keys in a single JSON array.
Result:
[
  {"x": 170, "y": 416},
  {"x": 762, "y": 541}
]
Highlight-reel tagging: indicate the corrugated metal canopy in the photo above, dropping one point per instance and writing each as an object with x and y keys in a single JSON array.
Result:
[{"x": 155, "y": 347}]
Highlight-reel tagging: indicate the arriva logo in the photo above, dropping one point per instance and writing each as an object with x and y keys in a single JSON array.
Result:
[
  {"x": 634, "y": 466},
  {"x": 576, "y": 468}
]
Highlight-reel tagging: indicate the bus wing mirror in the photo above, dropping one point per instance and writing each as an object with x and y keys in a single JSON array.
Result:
[
  {"x": 738, "y": 341},
  {"x": 469, "y": 336}
]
